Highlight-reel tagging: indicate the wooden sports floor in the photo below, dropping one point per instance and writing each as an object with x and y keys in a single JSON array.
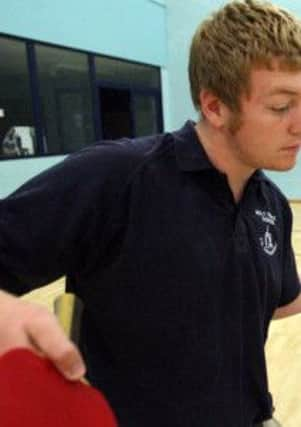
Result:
[{"x": 283, "y": 348}]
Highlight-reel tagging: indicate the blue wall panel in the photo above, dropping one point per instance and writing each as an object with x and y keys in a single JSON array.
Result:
[
  {"x": 133, "y": 29},
  {"x": 13, "y": 173}
]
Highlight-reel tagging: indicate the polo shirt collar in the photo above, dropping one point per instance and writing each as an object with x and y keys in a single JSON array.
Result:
[{"x": 190, "y": 153}]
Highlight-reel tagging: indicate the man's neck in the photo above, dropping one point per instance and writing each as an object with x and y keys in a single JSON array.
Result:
[{"x": 223, "y": 157}]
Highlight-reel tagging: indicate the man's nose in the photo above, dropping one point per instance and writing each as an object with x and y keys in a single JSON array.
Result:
[{"x": 295, "y": 124}]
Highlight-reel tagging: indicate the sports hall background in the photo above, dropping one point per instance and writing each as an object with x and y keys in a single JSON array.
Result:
[{"x": 63, "y": 65}]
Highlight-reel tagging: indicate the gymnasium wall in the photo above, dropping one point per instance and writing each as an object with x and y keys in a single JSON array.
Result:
[
  {"x": 152, "y": 31},
  {"x": 130, "y": 29}
]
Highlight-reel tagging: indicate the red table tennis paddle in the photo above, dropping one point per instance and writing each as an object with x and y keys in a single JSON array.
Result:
[{"x": 34, "y": 394}]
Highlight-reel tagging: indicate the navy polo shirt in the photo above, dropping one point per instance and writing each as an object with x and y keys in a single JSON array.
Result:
[{"x": 179, "y": 282}]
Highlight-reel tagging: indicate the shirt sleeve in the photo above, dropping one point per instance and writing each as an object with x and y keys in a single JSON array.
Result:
[
  {"x": 290, "y": 280},
  {"x": 48, "y": 226}
]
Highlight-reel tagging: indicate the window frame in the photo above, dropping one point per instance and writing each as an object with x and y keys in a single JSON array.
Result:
[{"x": 95, "y": 85}]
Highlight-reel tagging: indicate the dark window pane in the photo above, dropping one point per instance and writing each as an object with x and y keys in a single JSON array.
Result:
[
  {"x": 116, "y": 114},
  {"x": 66, "y": 99},
  {"x": 145, "y": 114},
  {"x": 128, "y": 73},
  {"x": 17, "y": 134}
]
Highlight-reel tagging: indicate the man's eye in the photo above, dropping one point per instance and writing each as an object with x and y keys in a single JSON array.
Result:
[{"x": 281, "y": 109}]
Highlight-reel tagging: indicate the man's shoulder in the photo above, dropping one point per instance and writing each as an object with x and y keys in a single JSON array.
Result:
[
  {"x": 105, "y": 165},
  {"x": 119, "y": 157},
  {"x": 274, "y": 193}
]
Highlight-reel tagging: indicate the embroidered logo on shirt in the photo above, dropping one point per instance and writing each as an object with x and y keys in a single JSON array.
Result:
[{"x": 267, "y": 242}]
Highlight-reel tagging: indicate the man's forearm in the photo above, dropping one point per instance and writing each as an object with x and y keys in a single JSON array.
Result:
[{"x": 288, "y": 310}]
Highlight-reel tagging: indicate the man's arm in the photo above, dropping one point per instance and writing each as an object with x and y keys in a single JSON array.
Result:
[
  {"x": 41, "y": 239},
  {"x": 28, "y": 325},
  {"x": 58, "y": 223},
  {"x": 288, "y": 310}
]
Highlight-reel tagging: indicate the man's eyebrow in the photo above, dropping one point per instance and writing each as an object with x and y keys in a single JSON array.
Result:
[{"x": 282, "y": 91}]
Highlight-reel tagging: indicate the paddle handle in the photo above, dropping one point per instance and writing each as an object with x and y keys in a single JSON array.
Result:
[{"x": 68, "y": 309}]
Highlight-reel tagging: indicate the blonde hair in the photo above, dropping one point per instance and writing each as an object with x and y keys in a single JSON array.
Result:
[{"x": 235, "y": 39}]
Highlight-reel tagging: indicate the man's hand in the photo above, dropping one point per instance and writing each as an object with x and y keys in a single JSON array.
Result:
[
  {"x": 290, "y": 309},
  {"x": 28, "y": 325}
]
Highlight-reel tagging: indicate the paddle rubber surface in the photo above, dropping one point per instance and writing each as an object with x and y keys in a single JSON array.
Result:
[{"x": 34, "y": 394}]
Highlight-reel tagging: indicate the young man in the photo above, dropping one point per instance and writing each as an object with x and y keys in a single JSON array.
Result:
[{"x": 178, "y": 244}]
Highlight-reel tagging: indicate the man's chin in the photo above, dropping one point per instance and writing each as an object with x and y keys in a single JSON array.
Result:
[{"x": 283, "y": 167}]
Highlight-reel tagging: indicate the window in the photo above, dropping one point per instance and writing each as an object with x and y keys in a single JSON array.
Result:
[
  {"x": 65, "y": 94},
  {"x": 146, "y": 114},
  {"x": 56, "y": 100},
  {"x": 17, "y": 133},
  {"x": 127, "y": 73},
  {"x": 129, "y": 98},
  {"x": 115, "y": 113}
]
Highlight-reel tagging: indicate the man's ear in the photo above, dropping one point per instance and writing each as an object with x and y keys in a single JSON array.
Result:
[{"x": 213, "y": 109}]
